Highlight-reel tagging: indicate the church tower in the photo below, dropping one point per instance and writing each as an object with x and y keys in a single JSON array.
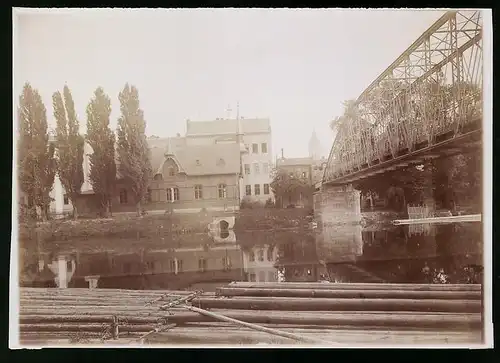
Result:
[{"x": 315, "y": 151}]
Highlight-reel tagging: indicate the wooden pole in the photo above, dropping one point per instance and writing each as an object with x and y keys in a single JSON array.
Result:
[
  {"x": 256, "y": 327},
  {"x": 357, "y": 286},
  {"x": 323, "y": 304},
  {"x": 352, "y": 294}
]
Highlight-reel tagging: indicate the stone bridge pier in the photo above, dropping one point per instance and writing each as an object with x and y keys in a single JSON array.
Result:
[{"x": 338, "y": 205}]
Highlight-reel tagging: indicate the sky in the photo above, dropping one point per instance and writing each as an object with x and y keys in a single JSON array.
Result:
[{"x": 295, "y": 67}]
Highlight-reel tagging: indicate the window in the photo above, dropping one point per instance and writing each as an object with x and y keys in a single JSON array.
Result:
[
  {"x": 252, "y": 278},
  {"x": 266, "y": 189},
  {"x": 255, "y": 148},
  {"x": 202, "y": 265},
  {"x": 198, "y": 192},
  {"x": 222, "y": 189},
  {"x": 66, "y": 199},
  {"x": 256, "y": 188},
  {"x": 123, "y": 196},
  {"x": 269, "y": 254},
  {"x": 158, "y": 177},
  {"x": 247, "y": 169},
  {"x": 172, "y": 265},
  {"x": 251, "y": 256},
  {"x": 256, "y": 169},
  {"x": 221, "y": 162},
  {"x": 179, "y": 265},
  {"x": 248, "y": 190},
  {"x": 175, "y": 196},
  {"x": 304, "y": 174},
  {"x": 171, "y": 171},
  {"x": 265, "y": 168},
  {"x": 198, "y": 162},
  {"x": 261, "y": 255},
  {"x": 263, "y": 147},
  {"x": 148, "y": 196}
]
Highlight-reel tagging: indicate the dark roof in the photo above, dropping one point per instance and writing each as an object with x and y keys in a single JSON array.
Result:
[{"x": 197, "y": 160}]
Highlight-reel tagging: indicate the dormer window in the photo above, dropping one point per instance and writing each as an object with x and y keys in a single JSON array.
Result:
[
  {"x": 198, "y": 162},
  {"x": 221, "y": 162}
]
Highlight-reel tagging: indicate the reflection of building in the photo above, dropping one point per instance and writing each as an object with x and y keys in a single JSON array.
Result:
[
  {"x": 299, "y": 261},
  {"x": 256, "y": 137},
  {"x": 258, "y": 263},
  {"x": 175, "y": 268}
]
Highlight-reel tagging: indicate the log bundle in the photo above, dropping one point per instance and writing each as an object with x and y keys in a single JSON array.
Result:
[{"x": 269, "y": 313}]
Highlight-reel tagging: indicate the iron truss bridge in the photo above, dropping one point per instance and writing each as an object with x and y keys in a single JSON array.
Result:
[{"x": 427, "y": 104}]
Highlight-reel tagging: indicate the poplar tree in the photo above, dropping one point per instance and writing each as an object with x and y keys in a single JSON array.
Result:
[
  {"x": 70, "y": 146},
  {"x": 133, "y": 151},
  {"x": 36, "y": 163},
  {"x": 102, "y": 140}
]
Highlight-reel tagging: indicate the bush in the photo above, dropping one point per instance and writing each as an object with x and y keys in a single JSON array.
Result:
[
  {"x": 247, "y": 203},
  {"x": 270, "y": 203}
]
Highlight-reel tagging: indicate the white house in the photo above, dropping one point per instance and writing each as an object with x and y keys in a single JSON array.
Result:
[{"x": 255, "y": 136}]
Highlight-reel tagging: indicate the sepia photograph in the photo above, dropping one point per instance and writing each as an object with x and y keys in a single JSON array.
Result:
[{"x": 251, "y": 178}]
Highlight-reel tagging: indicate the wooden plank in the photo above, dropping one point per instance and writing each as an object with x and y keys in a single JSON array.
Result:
[{"x": 432, "y": 220}]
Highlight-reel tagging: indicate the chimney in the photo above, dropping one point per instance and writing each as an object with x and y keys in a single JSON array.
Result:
[{"x": 282, "y": 154}]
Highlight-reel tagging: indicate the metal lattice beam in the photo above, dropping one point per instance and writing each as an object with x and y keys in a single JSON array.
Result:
[{"x": 432, "y": 90}]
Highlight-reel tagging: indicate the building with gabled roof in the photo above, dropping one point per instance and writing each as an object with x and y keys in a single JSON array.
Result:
[
  {"x": 189, "y": 178},
  {"x": 255, "y": 138}
]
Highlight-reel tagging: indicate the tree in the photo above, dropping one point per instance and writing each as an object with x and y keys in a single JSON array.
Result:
[
  {"x": 36, "y": 163},
  {"x": 133, "y": 151},
  {"x": 285, "y": 186},
  {"x": 70, "y": 146},
  {"x": 102, "y": 140}
]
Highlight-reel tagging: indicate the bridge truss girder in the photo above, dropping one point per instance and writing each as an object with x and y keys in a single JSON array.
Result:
[{"x": 432, "y": 90}]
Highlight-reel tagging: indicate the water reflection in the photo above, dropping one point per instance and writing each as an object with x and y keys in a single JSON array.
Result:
[{"x": 442, "y": 254}]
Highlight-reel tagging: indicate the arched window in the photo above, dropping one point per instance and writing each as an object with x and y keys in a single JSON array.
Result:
[
  {"x": 158, "y": 177},
  {"x": 172, "y": 194},
  {"x": 198, "y": 191},
  {"x": 222, "y": 191}
]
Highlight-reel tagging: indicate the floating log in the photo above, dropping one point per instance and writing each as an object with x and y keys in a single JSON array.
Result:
[
  {"x": 357, "y": 286},
  {"x": 255, "y": 327},
  {"x": 310, "y": 304},
  {"x": 83, "y": 328},
  {"x": 348, "y": 319},
  {"x": 434, "y": 220},
  {"x": 353, "y": 294}
]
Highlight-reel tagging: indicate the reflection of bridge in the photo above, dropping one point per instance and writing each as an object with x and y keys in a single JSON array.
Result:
[{"x": 427, "y": 104}]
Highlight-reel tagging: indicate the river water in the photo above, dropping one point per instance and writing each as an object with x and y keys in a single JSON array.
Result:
[{"x": 449, "y": 253}]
